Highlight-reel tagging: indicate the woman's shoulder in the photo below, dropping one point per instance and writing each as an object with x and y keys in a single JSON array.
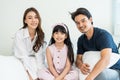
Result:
[
  {"x": 22, "y": 32},
  {"x": 19, "y": 31}
]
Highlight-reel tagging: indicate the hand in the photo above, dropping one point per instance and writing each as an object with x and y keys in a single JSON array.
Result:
[
  {"x": 85, "y": 68},
  {"x": 58, "y": 78},
  {"x": 89, "y": 78},
  {"x": 38, "y": 79}
]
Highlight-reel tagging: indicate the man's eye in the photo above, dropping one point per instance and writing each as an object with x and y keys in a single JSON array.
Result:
[{"x": 83, "y": 20}]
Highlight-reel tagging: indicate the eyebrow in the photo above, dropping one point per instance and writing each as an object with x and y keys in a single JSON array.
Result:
[{"x": 81, "y": 19}]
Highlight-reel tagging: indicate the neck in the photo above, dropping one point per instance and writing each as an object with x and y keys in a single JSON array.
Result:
[
  {"x": 31, "y": 33},
  {"x": 89, "y": 34},
  {"x": 59, "y": 45}
]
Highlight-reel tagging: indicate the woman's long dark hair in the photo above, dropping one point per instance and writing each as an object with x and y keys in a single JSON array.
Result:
[
  {"x": 40, "y": 34},
  {"x": 63, "y": 28}
]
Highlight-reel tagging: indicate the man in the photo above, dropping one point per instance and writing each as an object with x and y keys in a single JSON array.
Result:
[{"x": 94, "y": 39}]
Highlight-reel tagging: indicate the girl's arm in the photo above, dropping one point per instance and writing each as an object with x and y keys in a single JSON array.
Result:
[
  {"x": 66, "y": 69},
  {"x": 50, "y": 63}
]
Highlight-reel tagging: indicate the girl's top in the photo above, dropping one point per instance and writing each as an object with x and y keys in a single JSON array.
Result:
[{"x": 59, "y": 57}]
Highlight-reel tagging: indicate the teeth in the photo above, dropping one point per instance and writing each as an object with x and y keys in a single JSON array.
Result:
[
  {"x": 82, "y": 28},
  {"x": 34, "y": 24},
  {"x": 58, "y": 39}
]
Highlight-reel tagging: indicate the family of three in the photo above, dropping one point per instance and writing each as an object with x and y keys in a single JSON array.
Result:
[{"x": 32, "y": 50}]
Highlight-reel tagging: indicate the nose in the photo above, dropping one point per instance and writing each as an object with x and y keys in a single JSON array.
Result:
[
  {"x": 80, "y": 25},
  {"x": 59, "y": 34},
  {"x": 33, "y": 19}
]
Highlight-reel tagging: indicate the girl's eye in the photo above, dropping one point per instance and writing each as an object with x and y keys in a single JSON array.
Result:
[
  {"x": 62, "y": 33},
  {"x": 56, "y": 32}
]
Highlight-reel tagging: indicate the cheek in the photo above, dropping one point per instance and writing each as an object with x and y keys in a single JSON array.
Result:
[
  {"x": 37, "y": 20},
  {"x": 25, "y": 21}
]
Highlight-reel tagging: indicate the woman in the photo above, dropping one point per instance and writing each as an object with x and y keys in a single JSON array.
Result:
[{"x": 29, "y": 44}]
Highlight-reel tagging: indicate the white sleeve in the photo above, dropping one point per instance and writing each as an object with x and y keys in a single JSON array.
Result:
[
  {"x": 40, "y": 56},
  {"x": 21, "y": 53}
]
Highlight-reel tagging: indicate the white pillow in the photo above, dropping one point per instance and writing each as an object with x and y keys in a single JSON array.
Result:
[
  {"x": 12, "y": 69},
  {"x": 92, "y": 57}
]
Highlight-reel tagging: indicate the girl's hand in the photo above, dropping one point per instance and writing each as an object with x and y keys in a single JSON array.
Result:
[{"x": 58, "y": 78}]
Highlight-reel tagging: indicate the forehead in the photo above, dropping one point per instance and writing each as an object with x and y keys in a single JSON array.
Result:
[
  {"x": 31, "y": 13},
  {"x": 80, "y": 17}
]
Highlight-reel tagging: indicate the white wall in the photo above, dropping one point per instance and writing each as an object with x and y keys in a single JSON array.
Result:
[{"x": 51, "y": 11}]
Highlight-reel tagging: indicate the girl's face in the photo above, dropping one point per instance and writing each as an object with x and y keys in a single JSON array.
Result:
[
  {"x": 59, "y": 37},
  {"x": 31, "y": 20}
]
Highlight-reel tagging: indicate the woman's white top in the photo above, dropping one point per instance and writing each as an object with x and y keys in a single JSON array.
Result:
[{"x": 23, "y": 50}]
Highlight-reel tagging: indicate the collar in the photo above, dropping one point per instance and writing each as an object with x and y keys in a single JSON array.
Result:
[{"x": 26, "y": 33}]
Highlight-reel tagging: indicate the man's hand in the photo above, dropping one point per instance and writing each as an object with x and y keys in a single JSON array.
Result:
[{"x": 85, "y": 68}]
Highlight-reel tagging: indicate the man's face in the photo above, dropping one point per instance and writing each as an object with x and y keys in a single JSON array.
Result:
[{"x": 83, "y": 23}]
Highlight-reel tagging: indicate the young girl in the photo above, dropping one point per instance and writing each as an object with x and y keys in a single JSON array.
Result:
[
  {"x": 60, "y": 56},
  {"x": 29, "y": 43}
]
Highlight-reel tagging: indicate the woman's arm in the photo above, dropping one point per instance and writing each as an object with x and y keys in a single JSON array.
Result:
[
  {"x": 20, "y": 51},
  {"x": 40, "y": 57}
]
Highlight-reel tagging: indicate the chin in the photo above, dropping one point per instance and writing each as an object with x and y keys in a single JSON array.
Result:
[{"x": 83, "y": 31}]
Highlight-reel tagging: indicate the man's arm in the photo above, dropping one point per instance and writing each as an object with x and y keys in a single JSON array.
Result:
[
  {"x": 79, "y": 61},
  {"x": 84, "y": 67},
  {"x": 101, "y": 64}
]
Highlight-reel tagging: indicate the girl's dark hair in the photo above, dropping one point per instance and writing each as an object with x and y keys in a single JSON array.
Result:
[
  {"x": 40, "y": 34},
  {"x": 82, "y": 11},
  {"x": 67, "y": 41}
]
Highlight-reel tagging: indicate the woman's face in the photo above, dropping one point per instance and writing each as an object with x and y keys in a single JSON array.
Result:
[{"x": 32, "y": 20}]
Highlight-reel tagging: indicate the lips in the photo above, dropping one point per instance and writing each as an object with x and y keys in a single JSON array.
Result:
[
  {"x": 33, "y": 24},
  {"x": 81, "y": 28}
]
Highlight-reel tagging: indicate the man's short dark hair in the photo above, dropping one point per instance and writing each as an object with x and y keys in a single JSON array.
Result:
[{"x": 82, "y": 11}]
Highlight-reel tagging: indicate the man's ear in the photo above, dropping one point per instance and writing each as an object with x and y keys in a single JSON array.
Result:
[{"x": 91, "y": 20}]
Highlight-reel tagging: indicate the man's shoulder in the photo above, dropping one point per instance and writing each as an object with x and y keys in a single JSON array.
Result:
[{"x": 100, "y": 31}]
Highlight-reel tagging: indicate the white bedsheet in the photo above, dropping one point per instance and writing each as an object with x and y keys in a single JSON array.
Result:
[{"x": 12, "y": 69}]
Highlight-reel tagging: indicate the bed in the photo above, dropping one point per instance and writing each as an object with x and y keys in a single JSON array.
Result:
[{"x": 12, "y": 69}]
